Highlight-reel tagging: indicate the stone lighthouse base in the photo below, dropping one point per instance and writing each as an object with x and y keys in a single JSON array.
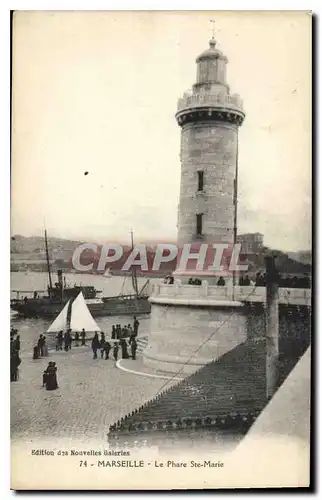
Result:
[{"x": 181, "y": 332}]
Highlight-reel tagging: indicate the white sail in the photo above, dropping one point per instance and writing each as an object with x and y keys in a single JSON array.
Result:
[
  {"x": 81, "y": 316},
  {"x": 60, "y": 323}
]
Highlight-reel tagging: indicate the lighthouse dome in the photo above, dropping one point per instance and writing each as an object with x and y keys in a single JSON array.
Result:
[{"x": 211, "y": 53}]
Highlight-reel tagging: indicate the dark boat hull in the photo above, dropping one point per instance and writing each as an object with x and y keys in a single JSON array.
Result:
[{"x": 116, "y": 306}]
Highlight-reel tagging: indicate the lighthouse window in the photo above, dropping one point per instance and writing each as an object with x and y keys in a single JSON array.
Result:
[
  {"x": 200, "y": 180},
  {"x": 199, "y": 224}
]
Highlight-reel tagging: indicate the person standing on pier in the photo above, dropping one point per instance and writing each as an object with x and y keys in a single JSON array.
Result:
[
  {"x": 35, "y": 352},
  {"x": 41, "y": 345},
  {"x": 125, "y": 354},
  {"x": 50, "y": 376},
  {"x": 113, "y": 332},
  {"x": 16, "y": 343},
  {"x": 66, "y": 341},
  {"x": 13, "y": 332},
  {"x": 83, "y": 336},
  {"x": 14, "y": 364},
  {"x": 135, "y": 326},
  {"x": 115, "y": 350},
  {"x": 95, "y": 345},
  {"x": 60, "y": 340},
  {"x": 134, "y": 347},
  {"x": 57, "y": 342},
  {"x": 70, "y": 339},
  {"x": 76, "y": 339},
  {"x": 102, "y": 342},
  {"x": 45, "y": 347},
  {"x": 118, "y": 332},
  {"x": 107, "y": 348}
]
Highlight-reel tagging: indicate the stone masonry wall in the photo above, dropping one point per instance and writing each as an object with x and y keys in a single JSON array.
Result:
[
  {"x": 211, "y": 147},
  {"x": 176, "y": 332}
]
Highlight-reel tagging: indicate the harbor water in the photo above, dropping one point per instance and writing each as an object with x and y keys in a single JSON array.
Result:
[{"x": 31, "y": 328}]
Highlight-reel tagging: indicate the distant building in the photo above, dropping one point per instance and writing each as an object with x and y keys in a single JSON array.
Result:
[{"x": 251, "y": 243}]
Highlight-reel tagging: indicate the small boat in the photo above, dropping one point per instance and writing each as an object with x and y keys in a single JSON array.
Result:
[{"x": 74, "y": 316}]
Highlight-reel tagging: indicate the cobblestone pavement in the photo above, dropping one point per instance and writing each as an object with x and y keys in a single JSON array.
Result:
[{"x": 92, "y": 394}]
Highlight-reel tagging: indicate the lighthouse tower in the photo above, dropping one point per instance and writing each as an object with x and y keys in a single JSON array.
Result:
[
  {"x": 209, "y": 117},
  {"x": 192, "y": 325}
]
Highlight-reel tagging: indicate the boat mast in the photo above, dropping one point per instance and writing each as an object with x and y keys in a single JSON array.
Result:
[
  {"x": 134, "y": 278},
  {"x": 48, "y": 263},
  {"x": 69, "y": 315}
]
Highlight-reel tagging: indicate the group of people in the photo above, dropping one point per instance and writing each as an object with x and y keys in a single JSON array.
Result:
[
  {"x": 40, "y": 349},
  {"x": 197, "y": 281},
  {"x": 246, "y": 281},
  {"x": 102, "y": 345},
  {"x": 120, "y": 332},
  {"x": 65, "y": 340},
  {"x": 123, "y": 338},
  {"x": 15, "y": 360},
  {"x": 119, "y": 335}
]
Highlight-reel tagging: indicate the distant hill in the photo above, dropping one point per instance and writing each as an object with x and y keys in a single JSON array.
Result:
[
  {"x": 27, "y": 249},
  {"x": 284, "y": 263},
  {"x": 303, "y": 256}
]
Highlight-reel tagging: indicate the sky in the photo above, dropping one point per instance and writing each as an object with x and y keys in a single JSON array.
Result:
[{"x": 97, "y": 92}]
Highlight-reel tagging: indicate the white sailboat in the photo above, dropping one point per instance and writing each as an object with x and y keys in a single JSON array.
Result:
[
  {"x": 81, "y": 316},
  {"x": 75, "y": 316},
  {"x": 60, "y": 323}
]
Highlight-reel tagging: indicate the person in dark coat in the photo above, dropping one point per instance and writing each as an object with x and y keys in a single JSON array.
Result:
[
  {"x": 12, "y": 345},
  {"x": 246, "y": 280},
  {"x": 45, "y": 347},
  {"x": 66, "y": 341},
  {"x": 221, "y": 281},
  {"x": 118, "y": 331},
  {"x": 115, "y": 350},
  {"x": 14, "y": 364},
  {"x": 132, "y": 337},
  {"x": 16, "y": 343},
  {"x": 135, "y": 326},
  {"x": 134, "y": 347},
  {"x": 95, "y": 345},
  {"x": 107, "y": 348},
  {"x": 60, "y": 340},
  {"x": 70, "y": 339},
  {"x": 35, "y": 352},
  {"x": 41, "y": 345},
  {"x": 83, "y": 336},
  {"x": 113, "y": 332},
  {"x": 57, "y": 342},
  {"x": 76, "y": 339},
  {"x": 125, "y": 354},
  {"x": 102, "y": 342},
  {"x": 50, "y": 376}
]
